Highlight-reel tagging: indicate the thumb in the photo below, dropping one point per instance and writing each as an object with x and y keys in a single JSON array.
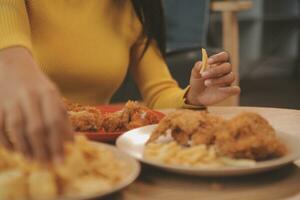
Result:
[
  {"x": 196, "y": 80},
  {"x": 196, "y": 70}
]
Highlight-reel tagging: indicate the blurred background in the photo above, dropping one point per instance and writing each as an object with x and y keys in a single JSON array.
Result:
[{"x": 262, "y": 37}]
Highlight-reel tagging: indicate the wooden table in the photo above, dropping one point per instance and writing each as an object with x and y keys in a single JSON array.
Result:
[{"x": 279, "y": 184}]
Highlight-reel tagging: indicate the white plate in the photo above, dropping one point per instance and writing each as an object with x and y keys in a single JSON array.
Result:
[
  {"x": 133, "y": 142},
  {"x": 133, "y": 171}
]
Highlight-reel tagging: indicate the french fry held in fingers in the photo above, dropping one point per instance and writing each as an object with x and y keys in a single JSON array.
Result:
[{"x": 204, "y": 61}]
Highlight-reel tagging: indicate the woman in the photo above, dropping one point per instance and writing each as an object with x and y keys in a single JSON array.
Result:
[{"x": 84, "y": 49}]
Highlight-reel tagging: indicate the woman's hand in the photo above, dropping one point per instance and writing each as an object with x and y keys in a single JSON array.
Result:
[
  {"x": 33, "y": 119},
  {"x": 215, "y": 84}
]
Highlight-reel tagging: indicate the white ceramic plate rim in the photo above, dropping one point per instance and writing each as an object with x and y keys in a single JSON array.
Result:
[{"x": 291, "y": 157}]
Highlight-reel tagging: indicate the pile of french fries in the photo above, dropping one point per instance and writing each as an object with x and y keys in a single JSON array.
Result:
[
  {"x": 87, "y": 170},
  {"x": 172, "y": 153}
]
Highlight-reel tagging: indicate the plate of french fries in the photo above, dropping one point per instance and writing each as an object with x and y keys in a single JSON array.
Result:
[
  {"x": 202, "y": 159},
  {"x": 89, "y": 171}
]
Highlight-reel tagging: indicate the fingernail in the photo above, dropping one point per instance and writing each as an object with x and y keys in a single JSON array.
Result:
[
  {"x": 29, "y": 158},
  {"x": 198, "y": 65},
  {"x": 58, "y": 160},
  {"x": 205, "y": 74},
  {"x": 207, "y": 82},
  {"x": 210, "y": 61}
]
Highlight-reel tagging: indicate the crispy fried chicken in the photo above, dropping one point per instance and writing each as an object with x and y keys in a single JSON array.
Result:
[
  {"x": 249, "y": 135},
  {"x": 187, "y": 125},
  {"x": 133, "y": 115},
  {"x": 84, "y": 118}
]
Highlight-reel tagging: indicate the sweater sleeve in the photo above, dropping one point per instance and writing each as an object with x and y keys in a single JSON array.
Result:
[
  {"x": 158, "y": 88},
  {"x": 14, "y": 24}
]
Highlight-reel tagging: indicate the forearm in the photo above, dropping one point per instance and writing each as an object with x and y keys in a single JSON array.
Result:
[
  {"x": 172, "y": 97},
  {"x": 16, "y": 57}
]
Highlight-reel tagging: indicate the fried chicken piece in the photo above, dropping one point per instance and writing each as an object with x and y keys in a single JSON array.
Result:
[
  {"x": 114, "y": 121},
  {"x": 70, "y": 106},
  {"x": 131, "y": 116},
  {"x": 188, "y": 125},
  {"x": 87, "y": 120},
  {"x": 249, "y": 135},
  {"x": 142, "y": 117},
  {"x": 205, "y": 134},
  {"x": 84, "y": 118}
]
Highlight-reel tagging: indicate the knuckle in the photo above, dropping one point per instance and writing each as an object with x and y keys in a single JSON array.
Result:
[
  {"x": 31, "y": 91},
  {"x": 55, "y": 122},
  {"x": 213, "y": 82},
  {"x": 31, "y": 95},
  {"x": 35, "y": 128},
  {"x": 56, "y": 142},
  {"x": 214, "y": 71},
  {"x": 194, "y": 70},
  {"x": 197, "y": 63},
  {"x": 219, "y": 71},
  {"x": 216, "y": 57},
  {"x": 232, "y": 77},
  {"x": 50, "y": 89},
  {"x": 222, "y": 80},
  {"x": 226, "y": 53},
  {"x": 15, "y": 122},
  {"x": 230, "y": 80},
  {"x": 227, "y": 65}
]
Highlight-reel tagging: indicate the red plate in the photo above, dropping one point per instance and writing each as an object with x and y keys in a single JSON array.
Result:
[{"x": 103, "y": 136}]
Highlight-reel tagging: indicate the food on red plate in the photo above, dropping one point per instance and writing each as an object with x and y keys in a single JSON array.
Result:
[
  {"x": 91, "y": 119},
  {"x": 84, "y": 118},
  {"x": 133, "y": 115}
]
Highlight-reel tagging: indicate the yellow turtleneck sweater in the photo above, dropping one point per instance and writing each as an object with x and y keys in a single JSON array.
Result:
[{"x": 84, "y": 47}]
